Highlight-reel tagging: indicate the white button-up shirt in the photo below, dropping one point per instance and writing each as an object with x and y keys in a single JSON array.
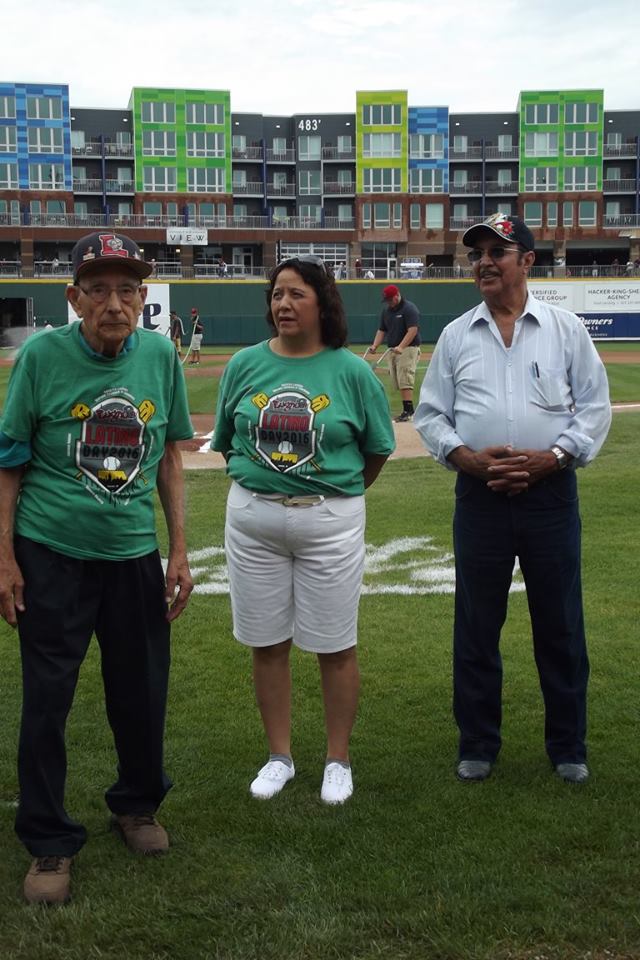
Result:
[{"x": 549, "y": 387}]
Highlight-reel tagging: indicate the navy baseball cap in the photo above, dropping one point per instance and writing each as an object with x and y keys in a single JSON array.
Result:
[
  {"x": 511, "y": 229},
  {"x": 103, "y": 247}
]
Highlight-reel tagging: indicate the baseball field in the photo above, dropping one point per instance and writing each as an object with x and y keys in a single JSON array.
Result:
[{"x": 416, "y": 866}]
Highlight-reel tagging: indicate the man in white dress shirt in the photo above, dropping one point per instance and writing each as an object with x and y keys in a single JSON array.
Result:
[{"x": 515, "y": 398}]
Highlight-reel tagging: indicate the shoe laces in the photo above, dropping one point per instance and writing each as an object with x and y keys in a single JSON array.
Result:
[
  {"x": 50, "y": 864},
  {"x": 335, "y": 773},
  {"x": 273, "y": 771}
]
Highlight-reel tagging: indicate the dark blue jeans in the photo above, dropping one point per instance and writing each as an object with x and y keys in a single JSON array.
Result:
[
  {"x": 542, "y": 528},
  {"x": 66, "y": 601}
]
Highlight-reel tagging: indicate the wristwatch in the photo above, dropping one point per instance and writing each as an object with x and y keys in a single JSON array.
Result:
[{"x": 561, "y": 456}]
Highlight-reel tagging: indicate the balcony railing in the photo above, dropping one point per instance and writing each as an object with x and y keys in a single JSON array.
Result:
[
  {"x": 339, "y": 189},
  {"x": 281, "y": 189},
  {"x": 92, "y": 148},
  {"x": 47, "y": 268},
  {"x": 281, "y": 156},
  {"x": 120, "y": 186},
  {"x": 620, "y": 150},
  {"x": 496, "y": 153},
  {"x": 234, "y": 271},
  {"x": 463, "y": 223},
  {"x": 118, "y": 149},
  {"x": 253, "y": 188},
  {"x": 467, "y": 153},
  {"x": 248, "y": 153},
  {"x": 619, "y": 186},
  {"x": 10, "y": 220},
  {"x": 472, "y": 186},
  {"x": 10, "y": 268},
  {"x": 492, "y": 186},
  {"x": 334, "y": 153},
  {"x": 621, "y": 220},
  {"x": 87, "y": 186},
  {"x": 95, "y": 148}
]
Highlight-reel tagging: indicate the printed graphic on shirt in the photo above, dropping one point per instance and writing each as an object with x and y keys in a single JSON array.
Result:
[
  {"x": 285, "y": 436},
  {"x": 111, "y": 445}
]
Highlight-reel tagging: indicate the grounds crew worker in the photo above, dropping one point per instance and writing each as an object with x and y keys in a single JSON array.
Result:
[
  {"x": 400, "y": 324},
  {"x": 91, "y": 425}
]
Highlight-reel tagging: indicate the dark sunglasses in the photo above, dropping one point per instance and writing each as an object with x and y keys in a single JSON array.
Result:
[
  {"x": 306, "y": 258},
  {"x": 496, "y": 253}
]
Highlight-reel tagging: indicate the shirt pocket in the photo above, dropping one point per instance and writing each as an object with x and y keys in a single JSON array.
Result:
[{"x": 550, "y": 388}]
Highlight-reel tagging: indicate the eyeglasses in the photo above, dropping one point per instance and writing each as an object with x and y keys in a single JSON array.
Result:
[
  {"x": 495, "y": 253},
  {"x": 100, "y": 293},
  {"x": 306, "y": 258}
]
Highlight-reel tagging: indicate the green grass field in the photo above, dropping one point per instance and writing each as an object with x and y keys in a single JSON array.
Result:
[{"x": 416, "y": 866}]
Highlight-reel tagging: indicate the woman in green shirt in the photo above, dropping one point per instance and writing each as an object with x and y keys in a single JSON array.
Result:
[{"x": 304, "y": 425}]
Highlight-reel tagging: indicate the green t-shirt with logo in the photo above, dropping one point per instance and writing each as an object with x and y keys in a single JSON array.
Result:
[
  {"x": 301, "y": 425},
  {"x": 97, "y": 430}
]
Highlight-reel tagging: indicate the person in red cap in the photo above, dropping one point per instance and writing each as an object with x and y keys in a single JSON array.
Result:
[
  {"x": 90, "y": 429},
  {"x": 400, "y": 325}
]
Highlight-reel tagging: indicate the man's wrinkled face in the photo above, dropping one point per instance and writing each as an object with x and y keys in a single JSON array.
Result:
[{"x": 108, "y": 299}]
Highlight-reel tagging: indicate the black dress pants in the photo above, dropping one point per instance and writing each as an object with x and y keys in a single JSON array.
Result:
[{"x": 67, "y": 600}]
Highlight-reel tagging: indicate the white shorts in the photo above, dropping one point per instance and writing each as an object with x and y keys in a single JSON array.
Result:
[
  {"x": 196, "y": 341},
  {"x": 295, "y": 571}
]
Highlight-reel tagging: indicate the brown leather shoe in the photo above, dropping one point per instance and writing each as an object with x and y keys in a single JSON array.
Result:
[
  {"x": 48, "y": 880},
  {"x": 142, "y": 833}
]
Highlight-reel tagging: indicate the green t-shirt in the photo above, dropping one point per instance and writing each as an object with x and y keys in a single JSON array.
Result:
[
  {"x": 97, "y": 430},
  {"x": 301, "y": 425}
]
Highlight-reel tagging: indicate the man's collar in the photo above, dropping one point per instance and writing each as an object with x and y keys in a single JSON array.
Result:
[
  {"x": 128, "y": 345},
  {"x": 532, "y": 308}
]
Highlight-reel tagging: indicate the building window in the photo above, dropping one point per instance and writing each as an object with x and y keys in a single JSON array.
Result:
[
  {"x": 152, "y": 208},
  {"x": 567, "y": 214},
  {"x": 7, "y": 139},
  {"x": 240, "y": 210},
  {"x": 158, "y": 112},
  {"x": 541, "y": 113},
  {"x": 80, "y": 208},
  {"x": 280, "y": 214},
  {"x": 504, "y": 176},
  {"x": 7, "y": 108},
  {"x": 381, "y": 145},
  {"x": 238, "y": 144},
  {"x": 345, "y": 144},
  {"x": 45, "y": 140},
  {"x": 381, "y": 114},
  {"x": 382, "y": 215},
  {"x": 460, "y": 178},
  {"x": 310, "y": 211},
  {"x": 581, "y": 113},
  {"x": 382, "y": 180},
  {"x": 46, "y": 176},
  {"x": 580, "y": 178},
  {"x": 279, "y": 145},
  {"x": 56, "y": 207},
  {"x": 210, "y": 113},
  {"x": 309, "y": 183},
  {"x": 587, "y": 213},
  {"x": 505, "y": 142},
  {"x": 8, "y": 176},
  {"x": 460, "y": 142},
  {"x": 309, "y": 148},
  {"x": 533, "y": 214},
  {"x": 158, "y": 143},
  {"x": 612, "y": 208},
  {"x": 540, "y": 179},
  {"x": 613, "y": 139},
  {"x": 581, "y": 144},
  {"x": 434, "y": 216},
  {"x": 205, "y": 179},
  {"x": 552, "y": 214},
  {"x": 160, "y": 179},
  {"x": 414, "y": 216},
  {"x": 426, "y": 181},
  {"x": 366, "y": 216},
  {"x": 397, "y": 215},
  {"x": 44, "y": 108},
  {"x": 541, "y": 145},
  {"x": 345, "y": 212},
  {"x": 426, "y": 146},
  {"x": 202, "y": 144}
]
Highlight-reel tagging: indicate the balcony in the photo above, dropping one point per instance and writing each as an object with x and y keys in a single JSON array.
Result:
[
  {"x": 95, "y": 148},
  {"x": 252, "y": 188},
  {"x": 621, "y": 221},
  {"x": 92, "y": 148},
  {"x": 463, "y": 223},
  {"x": 335, "y": 153},
  {"x": 620, "y": 150},
  {"x": 248, "y": 153},
  {"x": 332, "y": 189},
  {"x": 281, "y": 156},
  {"x": 281, "y": 189},
  {"x": 495, "y": 153},
  {"x": 618, "y": 186},
  {"x": 118, "y": 149},
  {"x": 472, "y": 186},
  {"x": 10, "y": 268},
  {"x": 467, "y": 153},
  {"x": 494, "y": 187},
  {"x": 87, "y": 186},
  {"x": 120, "y": 186}
]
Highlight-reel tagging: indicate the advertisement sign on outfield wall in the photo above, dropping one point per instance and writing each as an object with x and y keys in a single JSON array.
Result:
[{"x": 609, "y": 310}]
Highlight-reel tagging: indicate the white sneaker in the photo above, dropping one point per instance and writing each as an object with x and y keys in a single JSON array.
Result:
[
  {"x": 337, "y": 783},
  {"x": 271, "y": 779}
]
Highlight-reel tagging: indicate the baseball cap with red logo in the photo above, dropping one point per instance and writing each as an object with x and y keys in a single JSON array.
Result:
[
  {"x": 103, "y": 247},
  {"x": 390, "y": 292},
  {"x": 511, "y": 229}
]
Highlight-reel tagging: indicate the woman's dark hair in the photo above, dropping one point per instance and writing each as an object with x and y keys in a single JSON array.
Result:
[{"x": 333, "y": 321}]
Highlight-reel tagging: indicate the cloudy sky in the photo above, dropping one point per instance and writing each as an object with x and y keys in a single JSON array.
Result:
[{"x": 305, "y": 56}]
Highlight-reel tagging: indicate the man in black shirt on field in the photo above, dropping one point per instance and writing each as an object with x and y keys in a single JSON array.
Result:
[{"x": 400, "y": 325}]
